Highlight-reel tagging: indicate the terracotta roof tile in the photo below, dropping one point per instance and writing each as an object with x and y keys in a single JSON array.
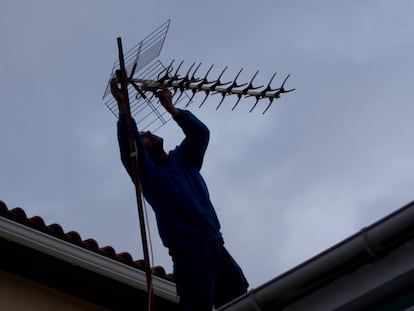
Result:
[
  {"x": 37, "y": 222},
  {"x": 3, "y": 207},
  {"x": 125, "y": 257},
  {"x": 75, "y": 238},
  {"x": 108, "y": 251},
  {"x": 57, "y": 231},
  {"x": 91, "y": 244},
  {"x": 17, "y": 214}
]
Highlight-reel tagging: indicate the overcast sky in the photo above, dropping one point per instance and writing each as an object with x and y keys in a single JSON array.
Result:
[{"x": 326, "y": 160}]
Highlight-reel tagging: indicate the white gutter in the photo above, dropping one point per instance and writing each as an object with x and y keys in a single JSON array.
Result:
[
  {"x": 359, "y": 249},
  {"x": 84, "y": 258}
]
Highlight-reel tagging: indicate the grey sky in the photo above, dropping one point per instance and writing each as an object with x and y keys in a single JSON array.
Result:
[{"x": 323, "y": 162}]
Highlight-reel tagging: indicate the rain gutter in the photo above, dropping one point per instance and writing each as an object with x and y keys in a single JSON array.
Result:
[
  {"x": 367, "y": 245},
  {"x": 84, "y": 258}
]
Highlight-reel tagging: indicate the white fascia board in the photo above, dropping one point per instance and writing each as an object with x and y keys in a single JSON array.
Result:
[{"x": 84, "y": 258}]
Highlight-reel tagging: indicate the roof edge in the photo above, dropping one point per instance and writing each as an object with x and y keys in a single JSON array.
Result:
[
  {"x": 365, "y": 246},
  {"x": 84, "y": 258}
]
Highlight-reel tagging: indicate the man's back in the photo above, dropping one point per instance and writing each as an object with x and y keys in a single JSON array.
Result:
[{"x": 174, "y": 187}]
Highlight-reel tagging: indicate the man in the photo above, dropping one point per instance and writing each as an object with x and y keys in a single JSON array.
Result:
[{"x": 204, "y": 272}]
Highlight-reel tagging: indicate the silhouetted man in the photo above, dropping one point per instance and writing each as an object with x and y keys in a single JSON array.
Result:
[{"x": 205, "y": 273}]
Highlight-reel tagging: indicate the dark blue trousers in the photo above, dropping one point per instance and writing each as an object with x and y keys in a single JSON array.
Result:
[{"x": 206, "y": 275}]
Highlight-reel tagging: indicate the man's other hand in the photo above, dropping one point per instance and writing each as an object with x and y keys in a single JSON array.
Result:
[{"x": 165, "y": 97}]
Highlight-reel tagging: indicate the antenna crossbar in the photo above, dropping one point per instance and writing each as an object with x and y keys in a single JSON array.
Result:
[
  {"x": 195, "y": 84},
  {"x": 152, "y": 84}
]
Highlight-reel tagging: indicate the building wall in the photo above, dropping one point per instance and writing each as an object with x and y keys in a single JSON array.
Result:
[{"x": 18, "y": 294}]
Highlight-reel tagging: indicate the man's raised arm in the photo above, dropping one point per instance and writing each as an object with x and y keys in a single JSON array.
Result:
[
  {"x": 144, "y": 161},
  {"x": 165, "y": 97},
  {"x": 197, "y": 135}
]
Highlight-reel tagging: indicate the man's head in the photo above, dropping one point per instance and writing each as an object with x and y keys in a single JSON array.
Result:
[{"x": 154, "y": 145}]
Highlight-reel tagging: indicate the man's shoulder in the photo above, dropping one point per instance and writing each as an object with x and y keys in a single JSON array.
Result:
[
  {"x": 178, "y": 158},
  {"x": 175, "y": 155}
]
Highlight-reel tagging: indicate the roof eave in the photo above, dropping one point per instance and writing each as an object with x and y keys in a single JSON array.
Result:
[
  {"x": 84, "y": 258},
  {"x": 356, "y": 251}
]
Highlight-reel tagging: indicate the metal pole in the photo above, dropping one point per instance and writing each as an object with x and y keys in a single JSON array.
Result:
[{"x": 123, "y": 80}]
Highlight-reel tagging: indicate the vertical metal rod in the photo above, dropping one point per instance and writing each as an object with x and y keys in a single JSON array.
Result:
[{"x": 134, "y": 163}]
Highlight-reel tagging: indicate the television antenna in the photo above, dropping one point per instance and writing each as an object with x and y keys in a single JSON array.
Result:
[{"x": 146, "y": 73}]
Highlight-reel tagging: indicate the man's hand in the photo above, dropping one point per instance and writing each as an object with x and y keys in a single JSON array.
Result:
[
  {"x": 165, "y": 97},
  {"x": 119, "y": 96}
]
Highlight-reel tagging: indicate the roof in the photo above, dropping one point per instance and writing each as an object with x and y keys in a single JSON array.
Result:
[
  {"x": 368, "y": 245},
  {"x": 65, "y": 261}
]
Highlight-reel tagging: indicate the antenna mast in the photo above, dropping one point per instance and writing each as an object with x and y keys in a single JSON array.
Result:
[{"x": 123, "y": 80}]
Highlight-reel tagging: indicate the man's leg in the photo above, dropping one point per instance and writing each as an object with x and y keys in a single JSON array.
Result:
[
  {"x": 195, "y": 276},
  {"x": 231, "y": 282}
]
